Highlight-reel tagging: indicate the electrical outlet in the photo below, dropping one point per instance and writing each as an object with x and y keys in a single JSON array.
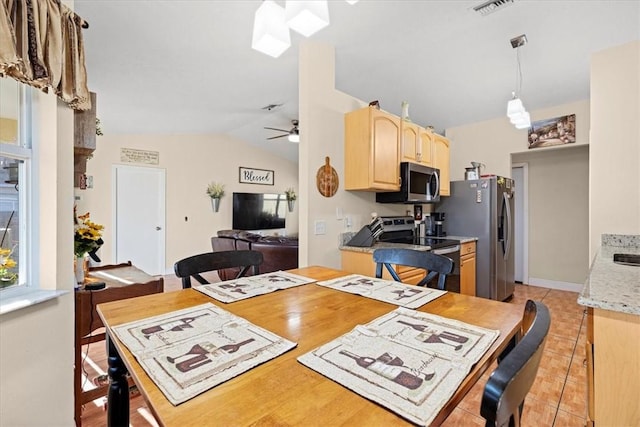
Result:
[{"x": 320, "y": 227}]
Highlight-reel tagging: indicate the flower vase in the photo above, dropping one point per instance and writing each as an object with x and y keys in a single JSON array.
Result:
[
  {"x": 292, "y": 204},
  {"x": 215, "y": 203},
  {"x": 79, "y": 270}
]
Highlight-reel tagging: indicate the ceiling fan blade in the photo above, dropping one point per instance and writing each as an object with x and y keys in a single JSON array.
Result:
[
  {"x": 281, "y": 130},
  {"x": 279, "y": 136}
]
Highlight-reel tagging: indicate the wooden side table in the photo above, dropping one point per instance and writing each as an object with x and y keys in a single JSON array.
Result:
[{"x": 122, "y": 281}]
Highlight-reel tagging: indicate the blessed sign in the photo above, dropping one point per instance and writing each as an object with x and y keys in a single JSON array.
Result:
[{"x": 256, "y": 176}]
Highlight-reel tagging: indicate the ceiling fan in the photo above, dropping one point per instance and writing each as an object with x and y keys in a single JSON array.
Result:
[{"x": 292, "y": 134}]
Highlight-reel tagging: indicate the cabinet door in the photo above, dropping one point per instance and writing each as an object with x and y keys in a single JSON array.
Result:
[
  {"x": 425, "y": 142},
  {"x": 409, "y": 142},
  {"x": 468, "y": 275},
  {"x": 385, "y": 139},
  {"x": 440, "y": 152}
]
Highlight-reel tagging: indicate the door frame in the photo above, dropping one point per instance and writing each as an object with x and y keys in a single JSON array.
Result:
[
  {"x": 523, "y": 189},
  {"x": 114, "y": 211}
]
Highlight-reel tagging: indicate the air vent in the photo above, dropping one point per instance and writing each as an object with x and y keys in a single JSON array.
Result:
[{"x": 491, "y": 6}]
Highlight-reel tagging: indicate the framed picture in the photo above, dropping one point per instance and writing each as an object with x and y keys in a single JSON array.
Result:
[
  {"x": 256, "y": 176},
  {"x": 556, "y": 131}
]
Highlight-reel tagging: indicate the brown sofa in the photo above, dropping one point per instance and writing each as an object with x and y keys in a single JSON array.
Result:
[{"x": 280, "y": 253}]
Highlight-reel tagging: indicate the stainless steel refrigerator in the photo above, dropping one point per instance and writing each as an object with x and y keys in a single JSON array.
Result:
[{"x": 483, "y": 208}]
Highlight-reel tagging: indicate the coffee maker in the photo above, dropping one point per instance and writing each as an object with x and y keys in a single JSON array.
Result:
[{"x": 438, "y": 224}]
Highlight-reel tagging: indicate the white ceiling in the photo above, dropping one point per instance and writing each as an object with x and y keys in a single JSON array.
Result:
[{"x": 187, "y": 66}]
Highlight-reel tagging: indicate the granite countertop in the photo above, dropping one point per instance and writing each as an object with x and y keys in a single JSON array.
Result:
[
  {"x": 612, "y": 286},
  {"x": 345, "y": 237}
]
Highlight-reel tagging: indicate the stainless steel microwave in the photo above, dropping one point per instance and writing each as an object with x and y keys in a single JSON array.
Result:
[{"x": 419, "y": 184}]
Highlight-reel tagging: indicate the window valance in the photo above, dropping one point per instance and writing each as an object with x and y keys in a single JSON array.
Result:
[{"x": 41, "y": 45}]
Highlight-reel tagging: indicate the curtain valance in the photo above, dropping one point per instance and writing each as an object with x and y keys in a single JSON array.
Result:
[{"x": 41, "y": 45}]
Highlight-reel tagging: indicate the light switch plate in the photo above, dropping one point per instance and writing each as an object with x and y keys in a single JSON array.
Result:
[{"x": 320, "y": 227}]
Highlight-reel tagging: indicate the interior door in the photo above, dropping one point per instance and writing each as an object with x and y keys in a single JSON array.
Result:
[{"x": 140, "y": 217}]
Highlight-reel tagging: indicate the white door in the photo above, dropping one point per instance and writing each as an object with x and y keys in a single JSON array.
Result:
[
  {"x": 519, "y": 173},
  {"x": 139, "y": 212}
]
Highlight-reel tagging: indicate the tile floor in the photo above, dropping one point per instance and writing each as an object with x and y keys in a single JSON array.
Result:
[{"x": 557, "y": 399}]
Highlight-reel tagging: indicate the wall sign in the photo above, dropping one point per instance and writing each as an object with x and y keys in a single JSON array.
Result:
[
  {"x": 256, "y": 176},
  {"x": 131, "y": 155}
]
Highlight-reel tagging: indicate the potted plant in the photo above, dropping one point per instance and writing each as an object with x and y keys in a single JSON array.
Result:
[
  {"x": 215, "y": 191},
  {"x": 291, "y": 197}
]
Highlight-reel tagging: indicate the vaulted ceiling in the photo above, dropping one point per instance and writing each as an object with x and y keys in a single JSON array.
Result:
[{"x": 186, "y": 66}]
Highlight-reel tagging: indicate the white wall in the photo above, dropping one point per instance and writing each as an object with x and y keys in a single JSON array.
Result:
[
  {"x": 36, "y": 343},
  {"x": 614, "y": 205},
  {"x": 493, "y": 141},
  {"x": 191, "y": 162},
  {"x": 558, "y": 221},
  {"x": 322, "y": 110}
]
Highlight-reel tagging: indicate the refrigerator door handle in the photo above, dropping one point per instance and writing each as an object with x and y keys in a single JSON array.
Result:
[{"x": 508, "y": 233}]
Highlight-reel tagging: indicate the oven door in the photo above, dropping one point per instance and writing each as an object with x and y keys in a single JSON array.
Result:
[{"x": 452, "y": 282}]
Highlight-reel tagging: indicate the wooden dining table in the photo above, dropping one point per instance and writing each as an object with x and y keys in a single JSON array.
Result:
[{"x": 282, "y": 391}]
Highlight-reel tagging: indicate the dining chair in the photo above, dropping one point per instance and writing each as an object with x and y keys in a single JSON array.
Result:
[
  {"x": 194, "y": 265},
  {"x": 436, "y": 265},
  {"x": 508, "y": 385}
]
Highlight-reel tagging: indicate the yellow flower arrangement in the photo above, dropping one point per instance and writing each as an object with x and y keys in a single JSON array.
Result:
[
  {"x": 87, "y": 236},
  {"x": 6, "y": 264}
]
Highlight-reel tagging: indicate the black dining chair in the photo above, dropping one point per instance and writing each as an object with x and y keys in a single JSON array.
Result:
[
  {"x": 194, "y": 265},
  {"x": 436, "y": 265},
  {"x": 508, "y": 385}
]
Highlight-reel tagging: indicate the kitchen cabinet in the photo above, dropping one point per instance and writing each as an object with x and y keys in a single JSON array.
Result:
[
  {"x": 371, "y": 150},
  {"x": 468, "y": 268},
  {"x": 440, "y": 160},
  {"x": 362, "y": 263},
  {"x": 613, "y": 368},
  {"x": 415, "y": 144}
]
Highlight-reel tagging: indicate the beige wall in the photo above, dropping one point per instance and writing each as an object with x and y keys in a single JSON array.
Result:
[
  {"x": 36, "y": 343},
  {"x": 615, "y": 143},
  {"x": 558, "y": 221},
  {"x": 322, "y": 110},
  {"x": 190, "y": 162},
  {"x": 493, "y": 141}
]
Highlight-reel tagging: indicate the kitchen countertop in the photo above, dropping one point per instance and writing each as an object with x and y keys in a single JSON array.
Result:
[
  {"x": 345, "y": 237},
  {"x": 612, "y": 286}
]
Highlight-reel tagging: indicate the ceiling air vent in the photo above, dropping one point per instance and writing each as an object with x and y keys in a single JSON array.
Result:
[{"x": 491, "y": 6}]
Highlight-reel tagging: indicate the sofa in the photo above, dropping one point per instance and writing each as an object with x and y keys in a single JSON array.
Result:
[{"x": 279, "y": 252}]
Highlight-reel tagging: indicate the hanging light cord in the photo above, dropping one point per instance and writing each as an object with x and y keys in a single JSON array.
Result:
[{"x": 518, "y": 73}]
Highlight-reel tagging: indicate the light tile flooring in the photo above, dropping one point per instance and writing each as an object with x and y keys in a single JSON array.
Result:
[{"x": 557, "y": 399}]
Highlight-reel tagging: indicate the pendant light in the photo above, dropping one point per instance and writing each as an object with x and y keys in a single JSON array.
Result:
[
  {"x": 307, "y": 17},
  {"x": 270, "y": 30},
  {"x": 516, "y": 112}
]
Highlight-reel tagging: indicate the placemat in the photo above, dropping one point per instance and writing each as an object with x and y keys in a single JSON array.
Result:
[
  {"x": 407, "y": 361},
  {"x": 397, "y": 293},
  {"x": 187, "y": 352},
  {"x": 251, "y": 286}
]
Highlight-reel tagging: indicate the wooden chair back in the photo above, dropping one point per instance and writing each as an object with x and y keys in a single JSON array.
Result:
[
  {"x": 504, "y": 393},
  {"x": 436, "y": 265},
  {"x": 194, "y": 265}
]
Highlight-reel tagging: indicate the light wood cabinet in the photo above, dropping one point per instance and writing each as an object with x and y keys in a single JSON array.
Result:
[
  {"x": 415, "y": 144},
  {"x": 468, "y": 268},
  {"x": 372, "y": 150},
  {"x": 362, "y": 263},
  {"x": 613, "y": 368},
  {"x": 440, "y": 154}
]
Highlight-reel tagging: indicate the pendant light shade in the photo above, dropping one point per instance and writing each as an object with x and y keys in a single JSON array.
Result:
[
  {"x": 307, "y": 17},
  {"x": 351, "y": 1},
  {"x": 270, "y": 30}
]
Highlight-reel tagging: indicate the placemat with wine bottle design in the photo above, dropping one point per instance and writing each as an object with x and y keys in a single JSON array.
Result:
[
  {"x": 408, "y": 361},
  {"x": 251, "y": 286},
  {"x": 189, "y": 351},
  {"x": 409, "y": 296}
]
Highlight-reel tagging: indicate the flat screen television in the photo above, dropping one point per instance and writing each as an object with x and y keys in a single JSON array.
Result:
[{"x": 258, "y": 211}]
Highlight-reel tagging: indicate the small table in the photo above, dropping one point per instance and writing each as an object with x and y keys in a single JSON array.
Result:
[
  {"x": 283, "y": 391},
  {"x": 122, "y": 281}
]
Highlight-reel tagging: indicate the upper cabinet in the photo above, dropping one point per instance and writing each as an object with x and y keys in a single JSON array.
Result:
[
  {"x": 372, "y": 150},
  {"x": 415, "y": 144},
  {"x": 440, "y": 153}
]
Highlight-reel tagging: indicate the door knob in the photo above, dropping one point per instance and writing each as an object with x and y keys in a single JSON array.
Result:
[{"x": 158, "y": 228}]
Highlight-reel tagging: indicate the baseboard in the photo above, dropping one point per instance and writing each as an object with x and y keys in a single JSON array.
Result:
[{"x": 555, "y": 284}]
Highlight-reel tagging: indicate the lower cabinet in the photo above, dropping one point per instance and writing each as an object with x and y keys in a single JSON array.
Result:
[
  {"x": 362, "y": 263},
  {"x": 613, "y": 368},
  {"x": 468, "y": 268}
]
